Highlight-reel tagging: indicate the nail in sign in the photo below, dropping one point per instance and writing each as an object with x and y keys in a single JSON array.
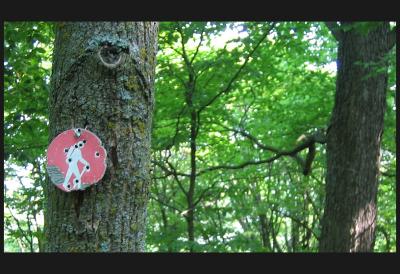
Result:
[{"x": 76, "y": 159}]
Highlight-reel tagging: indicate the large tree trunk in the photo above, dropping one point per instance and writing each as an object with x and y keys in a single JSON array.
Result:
[
  {"x": 353, "y": 141},
  {"x": 103, "y": 75}
]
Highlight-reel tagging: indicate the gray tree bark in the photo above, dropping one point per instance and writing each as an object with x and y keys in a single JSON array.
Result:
[
  {"x": 103, "y": 78},
  {"x": 353, "y": 140}
]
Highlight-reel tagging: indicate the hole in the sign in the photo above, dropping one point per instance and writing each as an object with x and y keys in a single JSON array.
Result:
[
  {"x": 80, "y": 144},
  {"x": 79, "y": 130},
  {"x": 68, "y": 186},
  {"x": 84, "y": 141},
  {"x": 76, "y": 181},
  {"x": 97, "y": 154},
  {"x": 76, "y": 146},
  {"x": 87, "y": 167},
  {"x": 66, "y": 149},
  {"x": 69, "y": 160}
]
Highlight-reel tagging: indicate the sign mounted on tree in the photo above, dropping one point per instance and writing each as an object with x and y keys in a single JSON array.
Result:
[{"x": 76, "y": 159}]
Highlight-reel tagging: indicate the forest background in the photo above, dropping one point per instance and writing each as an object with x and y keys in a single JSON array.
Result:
[{"x": 262, "y": 85}]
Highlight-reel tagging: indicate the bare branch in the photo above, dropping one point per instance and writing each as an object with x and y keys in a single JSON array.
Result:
[
  {"x": 255, "y": 141},
  {"x": 309, "y": 141},
  {"x": 335, "y": 30}
]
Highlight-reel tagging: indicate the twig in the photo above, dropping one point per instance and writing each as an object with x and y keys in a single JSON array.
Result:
[{"x": 165, "y": 204}]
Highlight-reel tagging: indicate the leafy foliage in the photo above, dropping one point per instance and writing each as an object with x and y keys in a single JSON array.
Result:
[
  {"x": 236, "y": 91},
  {"x": 27, "y": 63}
]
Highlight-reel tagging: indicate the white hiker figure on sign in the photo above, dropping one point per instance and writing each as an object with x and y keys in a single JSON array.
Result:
[
  {"x": 73, "y": 156},
  {"x": 76, "y": 160}
]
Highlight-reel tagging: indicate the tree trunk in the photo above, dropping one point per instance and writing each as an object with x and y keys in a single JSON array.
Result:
[
  {"x": 264, "y": 223},
  {"x": 102, "y": 78},
  {"x": 353, "y": 140},
  {"x": 192, "y": 183},
  {"x": 264, "y": 231}
]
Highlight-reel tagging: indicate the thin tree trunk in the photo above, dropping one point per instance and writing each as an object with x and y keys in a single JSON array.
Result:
[
  {"x": 194, "y": 126},
  {"x": 264, "y": 223},
  {"x": 192, "y": 183},
  {"x": 264, "y": 231},
  {"x": 103, "y": 75},
  {"x": 353, "y": 141}
]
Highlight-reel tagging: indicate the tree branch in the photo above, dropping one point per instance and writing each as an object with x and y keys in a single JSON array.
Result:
[
  {"x": 313, "y": 205},
  {"x": 172, "y": 171},
  {"x": 242, "y": 165},
  {"x": 177, "y": 125},
  {"x": 165, "y": 204},
  {"x": 309, "y": 143},
  {"x": 23, "y": 232},
  {"x": 167, "y": 171},
  {"x": 335, "y": 30},
  {"x": 301, "y": 223},
  {"x": 387, "y": 174},
  {"x": 236, "y": 75},
  {"x": 252, "y": 139},
  {"x": 171, "y": 72},
  {"x": 184, "y": 53},
  {"x": 386, "y": 235},
  {"x": 174, "y": 49},
  {"x": 201, "y": 70},
  {"x": 175, "y": 174},
  {"x": 203, "y": 193},
  {"x": 247, "y": 108},
  {"x": 317, "y": 137},
  {"x": 198, "y": 46}
]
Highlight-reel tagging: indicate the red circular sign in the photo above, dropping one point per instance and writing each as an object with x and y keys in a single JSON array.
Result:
[{"x": 76, "y": 159}]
